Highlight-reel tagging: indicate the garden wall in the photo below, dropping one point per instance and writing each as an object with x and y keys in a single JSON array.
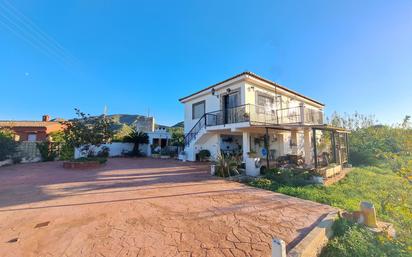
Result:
[
  {"x": 28, "y": 152},
  {"x": 115, "y": 149}
]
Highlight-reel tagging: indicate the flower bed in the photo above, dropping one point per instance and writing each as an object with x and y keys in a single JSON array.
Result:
[{"x": 85, "y": 163}]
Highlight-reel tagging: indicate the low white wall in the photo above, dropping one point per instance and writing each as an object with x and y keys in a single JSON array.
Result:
[
  {"x": 115, "y": 149},
  {"x": 6, "y": 162}
]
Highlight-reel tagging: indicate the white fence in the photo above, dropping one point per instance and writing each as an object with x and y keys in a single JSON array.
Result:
[{"x": 115, "y": 149}]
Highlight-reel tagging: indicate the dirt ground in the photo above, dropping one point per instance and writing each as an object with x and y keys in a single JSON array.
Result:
[{"x": 142, "y": 207}]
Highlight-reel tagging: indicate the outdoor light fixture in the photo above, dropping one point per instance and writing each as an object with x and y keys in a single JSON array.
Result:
[
  {"x": 213, "y": 91},
  {"x": 228, "y": 90}
]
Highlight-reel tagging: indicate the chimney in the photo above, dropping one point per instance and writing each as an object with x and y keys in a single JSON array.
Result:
[{"x": 45, "y": 118}]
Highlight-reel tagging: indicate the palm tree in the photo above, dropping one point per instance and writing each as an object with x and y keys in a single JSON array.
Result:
[{"x": 138, "y": 138}]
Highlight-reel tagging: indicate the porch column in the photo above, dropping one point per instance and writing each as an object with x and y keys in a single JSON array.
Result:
[
  {"x": 307, "y": 146},
  {"x": 347, "y": 147},
  {"x": 246, "y": 145},
  {"x": 294, "y": 139},
  {"x": 333, "y": 143},
  {"x": 315, "y": 150}
]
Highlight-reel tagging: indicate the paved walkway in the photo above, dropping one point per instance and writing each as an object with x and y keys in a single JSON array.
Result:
[{"x": 142, "y": 207}]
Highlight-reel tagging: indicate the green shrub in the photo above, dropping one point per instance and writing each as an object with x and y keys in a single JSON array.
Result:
[
  {"x": 8, "y": 147},
  {"x": 101, "y": 160},
  {"x": 204, "y": 154},
  {"x": 265, "y": 184},
  {"x": 17, "y": 159},
  {"x": 227, "y": 165},
  {"x": 103, "y": 152},
  {"x": 391, "y": 195},
  {"x": 66, "y": 152},
  {"x": 352, "y": 240},
  {"x": 47, "y": 151},
  {"x": 294, "y": 177}
]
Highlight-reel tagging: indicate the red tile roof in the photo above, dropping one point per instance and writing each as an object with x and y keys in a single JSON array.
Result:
[{"x": 12, "y": 123}]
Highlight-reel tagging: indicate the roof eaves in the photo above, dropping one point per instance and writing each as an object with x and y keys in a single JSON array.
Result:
[{"x": 256, "y": 77}]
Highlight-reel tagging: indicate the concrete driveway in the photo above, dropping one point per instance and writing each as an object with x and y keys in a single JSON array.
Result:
[{"x": 142, "y": 207}]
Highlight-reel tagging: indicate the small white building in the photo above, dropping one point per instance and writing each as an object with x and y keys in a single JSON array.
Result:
[
  {"x": 158, "y": 138},
  {"x": 256, "y": 118}
]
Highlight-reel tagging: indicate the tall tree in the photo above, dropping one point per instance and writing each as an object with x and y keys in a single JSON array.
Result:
[{"x": 86, "y": 131}]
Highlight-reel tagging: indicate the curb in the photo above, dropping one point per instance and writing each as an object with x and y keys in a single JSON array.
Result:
[{"x": 311, "y": 245}]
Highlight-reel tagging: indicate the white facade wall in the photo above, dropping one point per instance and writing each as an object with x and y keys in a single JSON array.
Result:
[
  {"x": 212, "y": 143},
  {"x": 213, "y": 103}
]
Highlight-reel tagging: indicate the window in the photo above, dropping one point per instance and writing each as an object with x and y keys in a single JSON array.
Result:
[
  {"x": 265, "y": 100},
  {"x": 265, "y": 103},
  {"x": 32, "y": 138},
  {"x": 198, "y": 109}
]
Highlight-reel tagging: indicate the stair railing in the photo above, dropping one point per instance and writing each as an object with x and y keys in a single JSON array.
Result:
[{"x": 200, "y": 124}]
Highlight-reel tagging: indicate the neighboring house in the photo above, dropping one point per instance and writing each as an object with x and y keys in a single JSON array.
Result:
[
  {"x": 32, "y": 131},
  {"x": 158, "y": 139},
  {"x": 158, "y": 135},
  {"x": 253, "y": 117}
]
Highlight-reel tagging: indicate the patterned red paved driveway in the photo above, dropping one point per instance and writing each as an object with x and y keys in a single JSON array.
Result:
[{"x": 142, "y": 207}]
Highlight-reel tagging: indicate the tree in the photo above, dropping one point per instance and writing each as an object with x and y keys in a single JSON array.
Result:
[
  {"x": 177, "y": 137},
  {"x": 8, "y": 146},
  {"x": 406, "y": 122},
  {"x": 352, "y": 121},
  {"x": 86, "y": 131},
  {"x": 138, "y": 138}
]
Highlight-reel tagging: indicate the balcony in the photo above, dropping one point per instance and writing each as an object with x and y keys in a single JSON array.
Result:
[{"x": 261, "y": 115}]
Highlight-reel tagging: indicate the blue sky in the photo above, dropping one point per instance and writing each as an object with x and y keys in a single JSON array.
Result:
[{"x": 138, "y": 55}]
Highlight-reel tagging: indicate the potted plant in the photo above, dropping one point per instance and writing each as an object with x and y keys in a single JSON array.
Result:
[
  {"x": 317, "y": 176},
  {"x": 182, "y": 156},
  {"x": 204, "y": 155},
  {"x": 155, "y": 150},
  {"x": 164, "y": 153},
  {"x": 226, "y": 166},
  {"x": 252, "y": 154}
]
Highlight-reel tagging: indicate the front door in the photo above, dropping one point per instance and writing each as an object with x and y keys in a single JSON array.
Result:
[{"x": 230, "y": 101}]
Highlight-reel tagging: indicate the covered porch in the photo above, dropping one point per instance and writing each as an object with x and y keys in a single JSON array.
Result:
[{"x": 312, "y": 147}]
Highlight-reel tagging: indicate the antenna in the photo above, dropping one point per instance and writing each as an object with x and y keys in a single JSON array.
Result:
[
  {"x": 148, "y": 111},
  {"x": 105, "y": 110}
]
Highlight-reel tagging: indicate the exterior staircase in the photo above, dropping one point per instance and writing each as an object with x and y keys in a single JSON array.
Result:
[{"x": 193, "y": 136}]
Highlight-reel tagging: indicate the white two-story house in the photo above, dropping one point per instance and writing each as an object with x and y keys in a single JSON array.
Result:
[{"x": 254, "y": 117}]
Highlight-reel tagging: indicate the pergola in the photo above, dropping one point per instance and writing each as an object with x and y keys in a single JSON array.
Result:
[{"x": 292, "y": 127}]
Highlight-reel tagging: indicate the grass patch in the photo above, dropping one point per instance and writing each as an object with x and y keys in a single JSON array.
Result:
[
  {"x": 101, "y": 160},
  {"x": 391, "y": 195},
  {"x": 354, "y": 240}
]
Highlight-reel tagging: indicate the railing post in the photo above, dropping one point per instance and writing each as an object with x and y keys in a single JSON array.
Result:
[{"x": 267, "y": 146}]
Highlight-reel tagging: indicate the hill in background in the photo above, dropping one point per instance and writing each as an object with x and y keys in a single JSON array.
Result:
[{"x": 123, "y": 123}]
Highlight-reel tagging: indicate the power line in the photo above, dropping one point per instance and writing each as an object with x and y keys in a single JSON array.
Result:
[
  {"x": 39, "y": 31},
  {"x": 20, "y": 25}
]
